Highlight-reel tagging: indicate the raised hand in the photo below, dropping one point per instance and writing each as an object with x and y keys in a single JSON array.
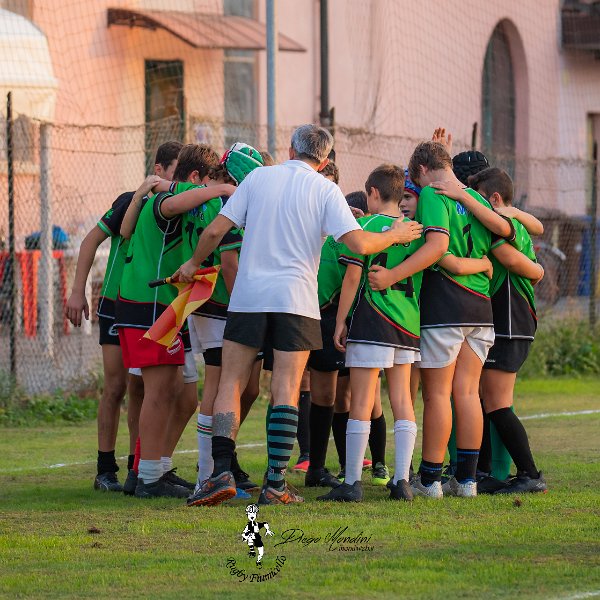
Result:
[{"x": 439, "y": 135}]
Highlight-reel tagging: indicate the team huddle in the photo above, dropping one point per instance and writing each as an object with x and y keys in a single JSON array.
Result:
[{"x": 427, "y": 277}]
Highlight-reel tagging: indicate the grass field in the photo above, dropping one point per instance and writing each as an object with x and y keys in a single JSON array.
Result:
[{"x": 539, "y": 546}]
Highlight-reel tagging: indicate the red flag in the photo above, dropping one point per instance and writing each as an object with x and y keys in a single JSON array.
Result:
[{"x": 191, "y": 296}]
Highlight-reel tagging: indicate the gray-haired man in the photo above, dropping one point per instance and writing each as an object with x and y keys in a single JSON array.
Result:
[{"x": 286, "y": 210}]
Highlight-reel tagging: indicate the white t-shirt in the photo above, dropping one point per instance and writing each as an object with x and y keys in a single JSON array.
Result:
[{"x": 287, "y": 210}]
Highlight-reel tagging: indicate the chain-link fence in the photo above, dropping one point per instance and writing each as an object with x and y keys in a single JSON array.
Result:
[{"x": 65, "y": 177}]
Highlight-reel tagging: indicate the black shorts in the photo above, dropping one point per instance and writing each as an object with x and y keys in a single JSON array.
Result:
[
  {"x": 329, "y": 358},
  {"x": 213, "y": 357},
  {"x": 507, "y": 355},
  {"x": 281, "y": 331},
  {"x": 109, "y": 334}
]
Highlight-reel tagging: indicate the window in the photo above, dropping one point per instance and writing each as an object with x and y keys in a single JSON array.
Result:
[
  {"x": 499, "y": 103},
  {"x": 165, "y": 118},
  {"x": 240, "y": 84}
]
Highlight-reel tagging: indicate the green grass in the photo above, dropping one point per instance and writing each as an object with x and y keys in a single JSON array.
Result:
[{"x": 545, "y": 547}]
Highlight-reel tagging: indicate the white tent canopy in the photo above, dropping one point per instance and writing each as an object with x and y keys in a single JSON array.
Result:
[{"x": 26, "y": 68}]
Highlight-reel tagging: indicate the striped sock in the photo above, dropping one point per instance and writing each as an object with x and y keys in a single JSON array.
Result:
[
  {"x": 281, "y": 434},
  {"x": 205, "y": 459}
]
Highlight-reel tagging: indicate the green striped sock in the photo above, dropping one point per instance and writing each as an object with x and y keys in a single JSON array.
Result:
[{"x": 281, "y": 434}]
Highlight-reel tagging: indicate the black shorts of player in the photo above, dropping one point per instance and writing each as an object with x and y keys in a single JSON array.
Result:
[
  {"x": 507, "y": 355},
  {"x": 109, "y": 334},
  {"x": 281, "y": 331},
  {"x": 329, "y": 358},
  {"x": 213, "y": 357}
]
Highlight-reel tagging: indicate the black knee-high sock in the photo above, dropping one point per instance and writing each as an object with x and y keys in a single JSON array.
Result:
[
  {"x": 338, "y": 425},
  {"x": 484, "y": 464},
  {"x": 377, "y": 440},
  {"x": 223, "y": 449},
  {"x": 514, "y": 437},
  {"x": 304, "y": 424},
  {"x": 320, "y": 428}
]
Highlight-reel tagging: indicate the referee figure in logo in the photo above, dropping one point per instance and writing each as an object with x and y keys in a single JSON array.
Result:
[{"x": 251, "y": 533}]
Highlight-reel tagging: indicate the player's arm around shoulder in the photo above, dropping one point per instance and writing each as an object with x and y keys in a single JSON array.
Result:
[
  {"x": 516, "y": 262},
  {"x": 466, "y": 266},
  {"x": 532, "y": 224},
  {"x": 179, "y": 204}
]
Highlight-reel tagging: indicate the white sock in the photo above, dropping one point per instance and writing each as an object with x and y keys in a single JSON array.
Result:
[
  {"x": 205, "y": 459},
  {"x": 150, "y": 470},
  {"x": 405, "y": 434},
  {"x": 167, "y": 463},
  {"x": 357, "y": 438}
]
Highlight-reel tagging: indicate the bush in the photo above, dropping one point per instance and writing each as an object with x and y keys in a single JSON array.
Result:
[
  {"x": 16, "y": 408},
  {"x": 566, "y": 347}
]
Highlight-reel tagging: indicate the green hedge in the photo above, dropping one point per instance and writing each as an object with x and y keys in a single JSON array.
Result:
[{"x": 565, "y": 347}]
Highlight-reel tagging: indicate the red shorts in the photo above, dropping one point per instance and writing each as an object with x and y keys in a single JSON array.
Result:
[{"x": 139, "y": 352}]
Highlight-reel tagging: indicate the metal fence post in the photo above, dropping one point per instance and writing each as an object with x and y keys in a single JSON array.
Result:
[{"x": 46, "y": 270}]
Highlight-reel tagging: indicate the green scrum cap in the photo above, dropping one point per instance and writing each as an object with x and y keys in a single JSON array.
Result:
[{"x": 240, "y": 160}]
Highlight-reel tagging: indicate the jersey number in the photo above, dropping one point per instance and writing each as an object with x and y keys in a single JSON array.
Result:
[
  {"x": 407, "y": 288},
  {"x": 467, "y": 232}
]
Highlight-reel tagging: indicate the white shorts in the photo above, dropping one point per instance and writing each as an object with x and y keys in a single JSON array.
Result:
[
  {"x": 374, "y": 356},
  {"x": 206, "y": 333},
  {"x": 440, "y": 345},
  {"x": 190, "y": 372}
]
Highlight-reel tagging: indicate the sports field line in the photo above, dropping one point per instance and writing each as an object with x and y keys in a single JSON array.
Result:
[
  {"x": 581, "y": 595},
  {"x": 262, "y": 444}
]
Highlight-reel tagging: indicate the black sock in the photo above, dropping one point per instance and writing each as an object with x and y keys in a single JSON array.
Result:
[
  {"x": 514, "y": 437},
  {"x": 235, "y": 465},
  {"x": 107, "y": 462},
  {"x": 223, "y": 449},
  {"x": 430, "y": 472},
  {"x": 320, "y": 428},
  {"x": 484, "y": 463},
  {"x": 130, "y": 460},
  {"x": 377, "y": 440},
  {"x": 466, "y": 464},
  {"x": 338, "y": 425},
  {"x": 303, "y": 434}
]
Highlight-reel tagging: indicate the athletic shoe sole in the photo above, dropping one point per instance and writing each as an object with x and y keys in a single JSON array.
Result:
[{"x": 217, "y": 498}]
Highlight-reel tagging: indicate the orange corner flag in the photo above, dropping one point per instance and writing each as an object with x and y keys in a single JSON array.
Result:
[{"x": 191, "y": 296}]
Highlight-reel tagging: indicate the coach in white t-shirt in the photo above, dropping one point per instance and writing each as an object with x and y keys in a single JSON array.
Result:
[{"x": 287, "y": 210}]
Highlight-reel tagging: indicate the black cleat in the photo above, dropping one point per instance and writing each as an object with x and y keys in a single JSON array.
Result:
[
  {"x": 174, "y": 479},
  {"x": 320, "y": 478},
  {"x": 345, "y": 493},
  {"x": 107, "y": 482},
  {"x": 522, "y": 483},
  {"x": 243, "y": 482},
  {"x": 490, "y": 485},
  {"x": 130, "y": 483},
  {"x": 160, "y": 489},
  {"x": 400, "y": 491}
]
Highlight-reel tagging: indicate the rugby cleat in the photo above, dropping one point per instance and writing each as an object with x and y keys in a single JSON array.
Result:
[
  {"x": 466, "y": 489},
  {"x": 344, "y": 493},
  {"x": 427, "y": 491},
  {"x": 214, "y": 490},
  {"x": 107, "y": 482},
  {"x": 522, "y": 483}
]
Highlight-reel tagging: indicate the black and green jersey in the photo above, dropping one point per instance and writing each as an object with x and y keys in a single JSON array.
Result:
[
  {"x": 331, "y": 274},
  {"x": 448, "y": 299},
  {"x": 513, "y": 299},
  {"x": 110, "y": 224},
  {"x": 194, "y": 222},
  {"x": 388, "y": 317},
  {"x": 155, "y": 252}
]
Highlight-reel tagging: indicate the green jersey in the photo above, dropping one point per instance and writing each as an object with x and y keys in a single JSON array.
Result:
[
  {"x": 448, "y": 299},
  {"x": 513, "y": 299},
  {"x": 110, "y": 224},
  {"x": 388, "y": 317},
  {"x": 331, "y": 274},
  {"x": 194, "y": 222},
  {"x": 155, "y": 252}
]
